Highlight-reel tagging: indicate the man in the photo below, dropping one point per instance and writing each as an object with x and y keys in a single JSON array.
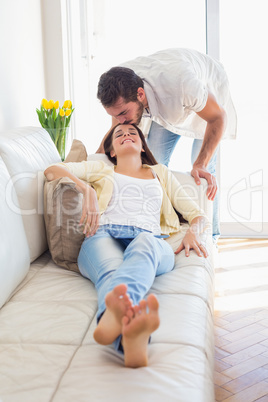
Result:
[{"x": 182, "y": 92}]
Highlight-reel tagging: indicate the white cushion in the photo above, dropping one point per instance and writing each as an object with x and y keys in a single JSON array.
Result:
[
  {"x": 99, "y": 157},
  {"x": 27, "y": 152},
  {"x": 14, "y": 250}
]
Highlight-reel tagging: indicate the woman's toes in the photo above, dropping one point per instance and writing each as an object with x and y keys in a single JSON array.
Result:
[
  {"x": 120, "y": 290},
  {"x": 130, "y": 313},
  {"x": 143, "y": 305},
  {"x": 152, "y": 302}
]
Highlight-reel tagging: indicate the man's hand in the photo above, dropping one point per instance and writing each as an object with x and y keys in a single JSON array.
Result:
[
  {"x": 90, "y": 212},
  {"x": 201, "y": 172}
]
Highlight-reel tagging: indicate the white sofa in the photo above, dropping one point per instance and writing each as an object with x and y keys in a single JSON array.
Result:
[{"x": 47, "y": 315}]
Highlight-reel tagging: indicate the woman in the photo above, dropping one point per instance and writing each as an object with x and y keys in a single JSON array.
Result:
[{"x": 126, "y": 214}]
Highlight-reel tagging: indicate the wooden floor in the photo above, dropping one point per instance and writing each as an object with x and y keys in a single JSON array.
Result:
[{"x": 241, "y": 321}]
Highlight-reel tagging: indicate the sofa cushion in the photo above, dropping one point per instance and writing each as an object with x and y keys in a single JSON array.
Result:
[
  {"x": 77, "y": 153},
  {"x": 99, "y": 157},
  {"x": 62, "y": 211},
  {"x": 27, "y": 152},
  {"x": 14, "y": 250}
]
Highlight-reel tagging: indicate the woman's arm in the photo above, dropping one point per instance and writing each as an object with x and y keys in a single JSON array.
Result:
[
  {"x": 192, "y": 213},
  {"x": 192, "y": 240},
  {"x": 90, "y": 209}
]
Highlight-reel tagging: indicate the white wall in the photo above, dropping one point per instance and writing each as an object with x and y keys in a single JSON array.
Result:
[
  {"x": 53, "y": 49},
  {"x": 31, "y": 59}
]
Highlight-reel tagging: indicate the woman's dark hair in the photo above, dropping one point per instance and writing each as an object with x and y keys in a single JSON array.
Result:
[
  {"x": 118, "y": 81},
  {"x": 146, "y": 156}
]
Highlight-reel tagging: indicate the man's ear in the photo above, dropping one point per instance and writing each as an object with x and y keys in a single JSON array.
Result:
[{"x": 140, "y": 94}]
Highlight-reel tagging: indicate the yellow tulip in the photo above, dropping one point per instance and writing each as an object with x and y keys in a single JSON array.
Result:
[
  {"x": 62, "y": 113},
  {"x": 44, "y": 103},
  {"x": 68, "y": 112},
  {"x": 56, "y": 105},
  {"x": 50, "y": 104},
  {"x": 67, "y": 104}
]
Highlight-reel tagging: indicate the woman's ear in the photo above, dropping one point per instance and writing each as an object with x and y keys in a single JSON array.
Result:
[{"x": 112, "y": 153}]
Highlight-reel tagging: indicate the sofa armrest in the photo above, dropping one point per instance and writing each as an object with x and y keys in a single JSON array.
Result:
[{"x": 197, "y": 193}]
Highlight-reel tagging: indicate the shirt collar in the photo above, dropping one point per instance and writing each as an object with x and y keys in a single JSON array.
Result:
[{"x": 152, "y": 103}]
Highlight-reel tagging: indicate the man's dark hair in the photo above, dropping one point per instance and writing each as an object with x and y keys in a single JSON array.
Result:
[{"x": 118, "y": 81}]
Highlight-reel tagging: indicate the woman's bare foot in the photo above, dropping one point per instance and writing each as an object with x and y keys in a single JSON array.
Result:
[
  {"x": 118, "y": 305},
  {"x": 136, "y": 331}
]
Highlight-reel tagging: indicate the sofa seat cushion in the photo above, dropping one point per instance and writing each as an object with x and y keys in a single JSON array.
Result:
[
  {"x": 177, "y": 373},
  {"x": 193, "y": 275},
  {"x": 50, "y": 306},
  {"x": 46, "y": 339}
]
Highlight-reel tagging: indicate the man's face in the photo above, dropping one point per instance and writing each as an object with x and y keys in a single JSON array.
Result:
[{"x": 128, "y": 113}]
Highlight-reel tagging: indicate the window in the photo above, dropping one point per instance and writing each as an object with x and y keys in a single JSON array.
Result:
[{"x": 244, "y": 166}]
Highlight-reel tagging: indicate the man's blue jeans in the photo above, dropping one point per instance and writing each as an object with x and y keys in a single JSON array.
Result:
[
  {"x": 124, "y": 254},
  {"x": 163, "y": 142}
]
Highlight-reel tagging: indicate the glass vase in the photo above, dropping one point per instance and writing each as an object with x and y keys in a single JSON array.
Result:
[{"x": 58, "y": 136}]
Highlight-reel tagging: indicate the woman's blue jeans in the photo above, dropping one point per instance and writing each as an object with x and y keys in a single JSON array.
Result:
[
  {"x": 163, "y": 142},
  {"x": 124, "y": 254}
]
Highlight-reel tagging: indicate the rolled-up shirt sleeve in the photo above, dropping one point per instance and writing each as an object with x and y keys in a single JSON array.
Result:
[{"x": 195, "y": 94}]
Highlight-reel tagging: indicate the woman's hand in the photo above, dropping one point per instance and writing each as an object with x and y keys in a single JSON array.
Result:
[
  {"x": 90, "y": 212},
  {"x": 192, "y": 241}
]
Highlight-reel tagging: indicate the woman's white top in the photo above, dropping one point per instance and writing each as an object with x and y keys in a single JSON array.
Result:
[{"x": 135, "y": 202}]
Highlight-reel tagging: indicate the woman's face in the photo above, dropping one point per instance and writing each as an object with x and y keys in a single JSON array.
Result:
[{"x": 126, "y": 139}]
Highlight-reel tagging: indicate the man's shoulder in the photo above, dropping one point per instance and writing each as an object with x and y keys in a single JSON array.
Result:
[
  {"x": 165, "y": 55},
  {"x": 168, "y": 67}
]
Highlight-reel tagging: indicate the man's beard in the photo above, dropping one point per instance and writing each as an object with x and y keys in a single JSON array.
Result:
[{"x": 138, "y": 116}]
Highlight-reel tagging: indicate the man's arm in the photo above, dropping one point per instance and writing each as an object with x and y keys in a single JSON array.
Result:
[
  {"x": 215, "y": 117},
  {"x": 100, "y": 150}
]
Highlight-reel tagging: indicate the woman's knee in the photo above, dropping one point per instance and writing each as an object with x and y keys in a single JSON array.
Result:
[
  {"x": 147, "y": 242},
  {"x": 156, "y": 250},
  {"x": 98, "y": 255},
  {"x": 145, "y": 239}
]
